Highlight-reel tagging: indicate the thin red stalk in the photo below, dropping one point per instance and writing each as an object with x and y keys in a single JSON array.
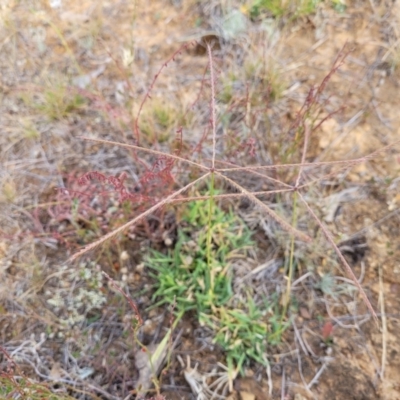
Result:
[
  {"x": 255, "y": 173},
  {"x": 213, "y": 106},
  {"x": 130, "y": 301},
  {"x": 303, "y": 157},
  {"x": 285, "y": 225},
  {"x": 147, "y": 95},
  {"x": 151, "y": 151},
  {"x": 230, "y": 195},
  {"x": 348, "y": 163},
  {"x": 328, "y": 116},
  {"x": 198, "y": 94},
  {"x": 316, "y": 164}
]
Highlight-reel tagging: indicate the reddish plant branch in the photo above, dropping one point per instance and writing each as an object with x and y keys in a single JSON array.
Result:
[{"x": 147, "y": 95}]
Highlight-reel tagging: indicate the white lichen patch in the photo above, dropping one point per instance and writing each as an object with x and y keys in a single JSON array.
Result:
[{"x": 78, "y": 293}]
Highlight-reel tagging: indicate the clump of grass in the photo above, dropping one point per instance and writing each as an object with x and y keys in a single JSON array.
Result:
[
  {"x": 279, "y": 8},
  {"x": 26, "y": 389},
  {"x": 244, "y": 332},
  {"x": 58, "y": 103},
  {"x": 183, "y": 277},
  {"x": 159, "y": 121},
  {"x": 8, "y": 191},
  {"x": 56, "y": 100}
]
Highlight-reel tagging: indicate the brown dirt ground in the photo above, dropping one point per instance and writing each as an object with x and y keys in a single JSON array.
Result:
[{"x": 363, "y": 361}]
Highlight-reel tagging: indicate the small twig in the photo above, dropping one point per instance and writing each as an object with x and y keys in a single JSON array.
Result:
[
  {"x": 302, "y": 278},
  {"x": 341, "y": 324},
  {"x": 375, "y": 224},
  {"x": 317, "y": 376},
  {"x": 384, "y": 324},
  {"x": 300, "y": 339},
  {"x": 269, "y": 377},
  {"x": 301, "y": 371},
  {"x": 308, "y": 347}
]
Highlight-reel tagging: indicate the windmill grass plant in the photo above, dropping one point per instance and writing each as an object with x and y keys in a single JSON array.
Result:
[{"x": 196, "y": 182}]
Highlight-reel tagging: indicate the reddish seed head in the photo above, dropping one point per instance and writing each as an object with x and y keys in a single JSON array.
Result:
[{"x": 327, "y": 330}]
